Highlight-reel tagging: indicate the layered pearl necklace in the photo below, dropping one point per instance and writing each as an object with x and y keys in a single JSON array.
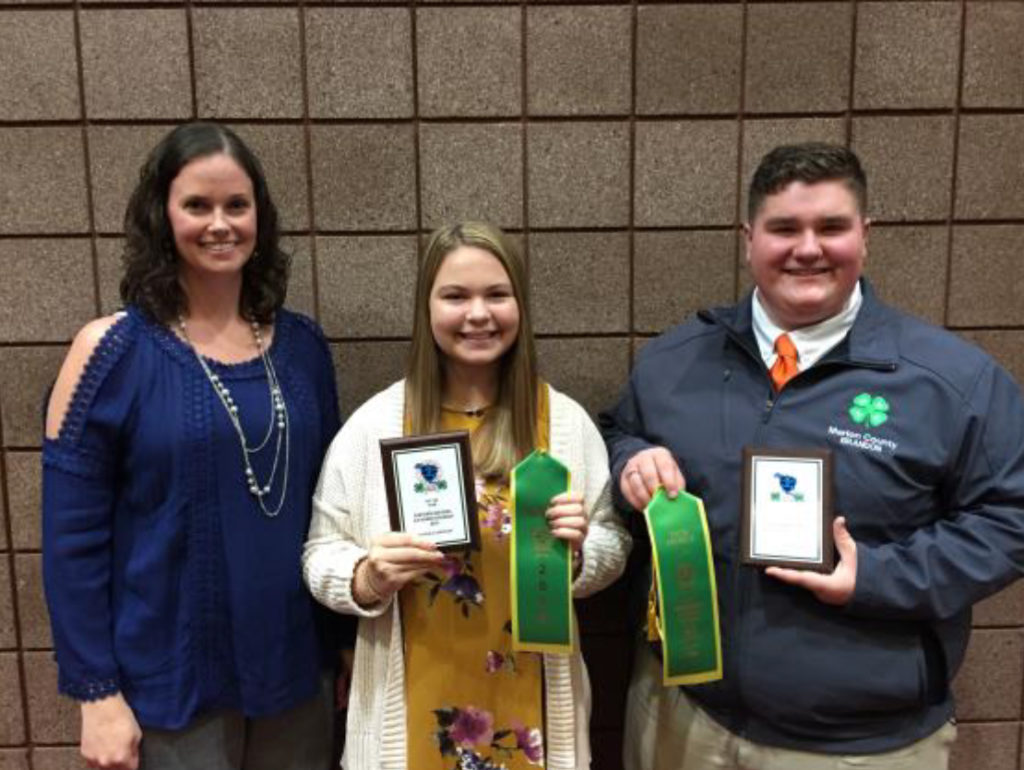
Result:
[{"x": 278, "y": 420}]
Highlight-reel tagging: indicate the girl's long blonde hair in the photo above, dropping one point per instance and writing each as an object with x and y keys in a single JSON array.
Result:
[{"x": 508, "y": 430}]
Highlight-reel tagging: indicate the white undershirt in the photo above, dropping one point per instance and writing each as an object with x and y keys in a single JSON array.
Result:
[{"x": 812, "y": 342}]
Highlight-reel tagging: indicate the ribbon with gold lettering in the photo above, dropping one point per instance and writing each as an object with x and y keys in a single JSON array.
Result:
[
  {"x": 686, "y": 620},
  {"x": 541, "y": 568}
]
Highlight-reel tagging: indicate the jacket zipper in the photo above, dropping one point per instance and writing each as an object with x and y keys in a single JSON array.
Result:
[
  {"x": 827, "y": 362},
  {"x": 769, "y": 407}
]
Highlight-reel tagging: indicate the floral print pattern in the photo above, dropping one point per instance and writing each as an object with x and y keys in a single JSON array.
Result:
[
  {"x": 468, "y": 735},
  {"x": 472, "y": 703},
  {"x": 457, "y": 580},
  {"x": 504, "y": 659},
  {"x": 494, "y": 513},
  {"x": 530, "y": 741}
]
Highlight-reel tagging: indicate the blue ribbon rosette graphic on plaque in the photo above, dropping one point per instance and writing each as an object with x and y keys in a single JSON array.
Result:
[
  {"x": 428, "y": 477},
  {"x": 787, "y": 484}
]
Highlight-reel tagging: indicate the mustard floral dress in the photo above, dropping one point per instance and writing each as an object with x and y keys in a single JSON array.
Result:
[{"x": 471, "y": 703}]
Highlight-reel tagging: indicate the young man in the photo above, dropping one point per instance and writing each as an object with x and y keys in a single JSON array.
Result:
[{"x": 929, "y": 494}]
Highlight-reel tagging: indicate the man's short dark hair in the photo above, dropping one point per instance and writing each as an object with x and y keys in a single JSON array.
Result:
[{"x": 810, "y": 163}]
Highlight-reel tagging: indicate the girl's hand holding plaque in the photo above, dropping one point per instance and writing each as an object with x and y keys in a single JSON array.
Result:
[{"x": 394, "y": 559}]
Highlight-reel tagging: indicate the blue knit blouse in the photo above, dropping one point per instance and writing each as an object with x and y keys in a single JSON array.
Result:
[{"x": 164, "y": 578}]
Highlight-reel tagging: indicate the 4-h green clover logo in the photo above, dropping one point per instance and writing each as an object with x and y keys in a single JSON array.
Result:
[{"x": 873, "y": 410}]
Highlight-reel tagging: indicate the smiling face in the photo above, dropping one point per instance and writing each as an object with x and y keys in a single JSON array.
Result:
[
  {"x": 806, "y": 249},
  {"x": 474, "y": 315},
  {"x": 212, "y": 212}
]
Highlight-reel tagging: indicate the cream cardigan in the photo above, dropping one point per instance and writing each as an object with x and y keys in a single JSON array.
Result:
[{"x": 350, "y": 508}]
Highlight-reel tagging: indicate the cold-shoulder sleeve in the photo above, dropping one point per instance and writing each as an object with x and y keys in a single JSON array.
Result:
[{"x": 80, "y": 476}]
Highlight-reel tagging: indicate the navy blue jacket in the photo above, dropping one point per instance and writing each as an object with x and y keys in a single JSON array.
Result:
[{"x": 933, "y": 496}]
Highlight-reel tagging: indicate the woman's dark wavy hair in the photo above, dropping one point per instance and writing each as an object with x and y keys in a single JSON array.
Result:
[{"x": 151, "y": 262}]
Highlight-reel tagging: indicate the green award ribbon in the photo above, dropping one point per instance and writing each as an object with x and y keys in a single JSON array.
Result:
[
  {"x": 684, "y": 575},
  {"x": 541, "y": 568}
]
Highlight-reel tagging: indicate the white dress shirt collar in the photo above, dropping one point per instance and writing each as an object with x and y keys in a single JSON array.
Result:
[{"x": 812, "y": 342}]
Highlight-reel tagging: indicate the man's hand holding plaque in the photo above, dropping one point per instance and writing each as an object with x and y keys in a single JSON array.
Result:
[{"x": 836, "y": 588}]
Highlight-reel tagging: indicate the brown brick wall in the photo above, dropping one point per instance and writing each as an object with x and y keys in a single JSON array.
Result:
[{"x": 613, "y": 138}]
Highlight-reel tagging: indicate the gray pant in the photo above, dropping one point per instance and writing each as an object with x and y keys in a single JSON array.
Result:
[{"x": 298, "y": 739}]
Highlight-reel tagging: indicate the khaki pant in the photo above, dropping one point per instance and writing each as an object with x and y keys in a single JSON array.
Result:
[{"x": 665, "y": 731}]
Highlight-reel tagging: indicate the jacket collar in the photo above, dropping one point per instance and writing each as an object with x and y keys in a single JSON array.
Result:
[{"x": 870, "y": 342}]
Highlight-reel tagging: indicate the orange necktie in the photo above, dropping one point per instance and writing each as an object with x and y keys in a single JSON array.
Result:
[{"x": 784, "y": 369}]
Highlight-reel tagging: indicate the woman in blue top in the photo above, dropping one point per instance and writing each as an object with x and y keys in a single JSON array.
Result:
[{"x": 183, "y": 441}]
